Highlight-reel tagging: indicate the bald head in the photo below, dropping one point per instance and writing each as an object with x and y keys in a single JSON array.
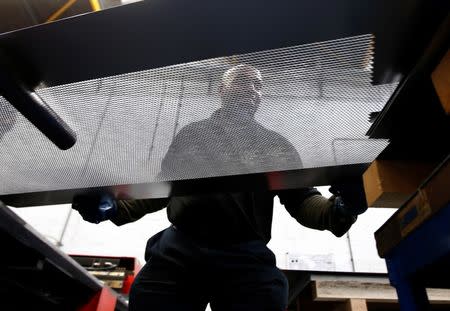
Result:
[
  {"x": 241, "y": 72},
  {"x": 241, "y": 88}
]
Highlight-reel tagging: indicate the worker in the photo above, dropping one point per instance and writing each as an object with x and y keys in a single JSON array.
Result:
[{"x": 215, "y": 250}]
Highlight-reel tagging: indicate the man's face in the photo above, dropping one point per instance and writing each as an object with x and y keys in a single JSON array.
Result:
[{"x": 242, "y": 89}]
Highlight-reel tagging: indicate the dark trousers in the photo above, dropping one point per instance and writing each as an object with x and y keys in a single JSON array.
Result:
[{"x": 184, "y": 275}]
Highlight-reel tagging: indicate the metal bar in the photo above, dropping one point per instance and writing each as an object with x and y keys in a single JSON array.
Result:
[
  {"x": 270, "y": 181},
  {"x": 64, "y": 229},
  {"x": 60, "y": 11},
  {"x": 32, "y": 107},
  {"x": 95, "y": 5},
  {"x": 350, "y": 249}
]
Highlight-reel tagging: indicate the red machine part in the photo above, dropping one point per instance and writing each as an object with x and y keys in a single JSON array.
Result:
[
  {"x": 104, "y": 300},
  {"x": 130, "y": 278}
]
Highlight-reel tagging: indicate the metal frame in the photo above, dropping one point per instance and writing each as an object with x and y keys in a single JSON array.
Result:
[
  {"x": 55, "y": 15},
  {"x": 271, "y": 181},
  {"x": 183, "y": 35},
  {"x": 162, "y": 33}
]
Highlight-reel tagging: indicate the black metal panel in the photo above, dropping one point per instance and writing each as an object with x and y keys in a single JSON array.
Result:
[
  {"x": 403, "y": 32},
  {"x": 25, "y": 13},
  {"x": 154, "y": 34},
  {"x": 413, "y": 118},
  {"x": 35, "y": 274},
  {"x": 415, "y": 92},
  {"x": 21, "y": 231},
  {"x": 252, "y": 182}
]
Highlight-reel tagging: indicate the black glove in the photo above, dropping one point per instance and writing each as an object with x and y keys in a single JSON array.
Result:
[
  {"x": 340, "y": 221},
  {"x": 95, "y": 208},
  {"x": 352, "y": 196}
]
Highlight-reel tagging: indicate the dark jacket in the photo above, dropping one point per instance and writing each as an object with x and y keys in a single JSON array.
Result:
[
  {"x": 224, "y": 144},
  {"x": 227, "y": 143}
]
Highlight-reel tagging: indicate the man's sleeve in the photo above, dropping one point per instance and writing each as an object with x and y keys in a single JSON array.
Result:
[
  {"x": 132, "y": 210},
  {"x": 314, "y": 211},
  {"x": 308, "y": 207}
]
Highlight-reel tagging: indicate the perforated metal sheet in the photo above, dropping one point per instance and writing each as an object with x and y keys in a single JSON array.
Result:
[{"x": 318, "y": 96}]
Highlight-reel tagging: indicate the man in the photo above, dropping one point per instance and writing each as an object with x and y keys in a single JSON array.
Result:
[{"x": 215, "y": 252}]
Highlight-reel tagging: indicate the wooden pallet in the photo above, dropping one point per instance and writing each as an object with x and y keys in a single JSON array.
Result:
[{"x": 357, "y": 293}]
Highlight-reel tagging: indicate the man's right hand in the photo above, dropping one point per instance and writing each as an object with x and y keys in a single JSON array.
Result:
[
  {"x": 352, "y": 196},
  {"x": 95, "y": 208}
]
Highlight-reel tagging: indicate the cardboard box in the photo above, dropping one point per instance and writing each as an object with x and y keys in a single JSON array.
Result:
[
  {"x": 389, "y": 183},
  {"x": 441, "y": 81},
  {"x": 432, "y": 195},
  {"x": 436, "y": 190}
]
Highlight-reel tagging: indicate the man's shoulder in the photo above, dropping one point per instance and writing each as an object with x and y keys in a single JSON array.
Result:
[
  {"x": 195, "y": 127},
  {"x": 272, "y": 136}
]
